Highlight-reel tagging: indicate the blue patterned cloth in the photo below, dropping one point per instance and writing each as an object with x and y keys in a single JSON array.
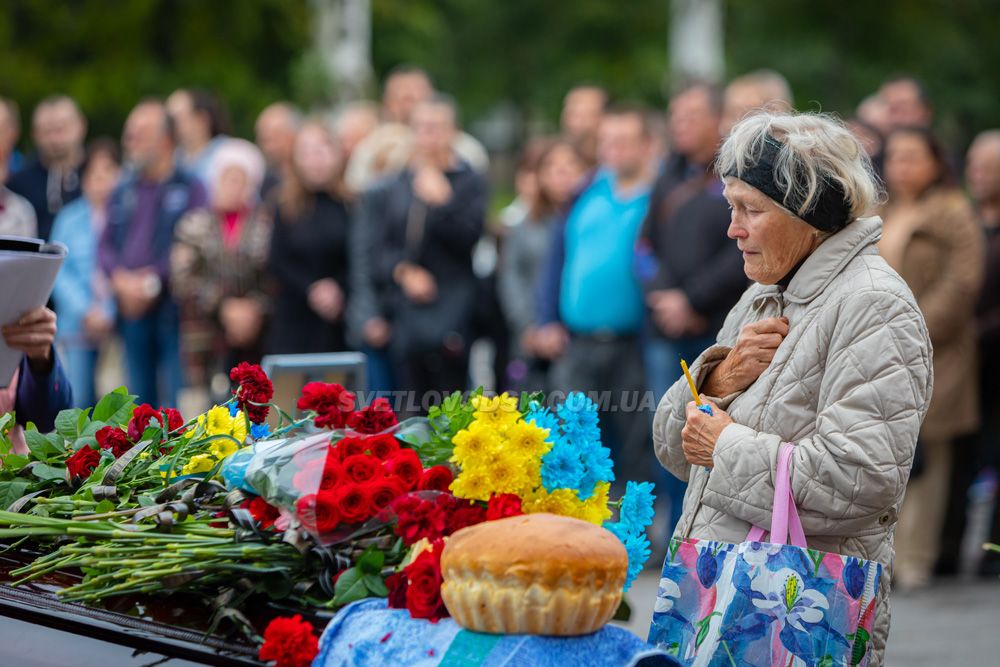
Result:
[{"x": 369, "y": 633}]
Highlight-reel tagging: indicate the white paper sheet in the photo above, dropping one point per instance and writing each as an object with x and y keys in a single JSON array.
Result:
[{"x": 26, "y": 280}]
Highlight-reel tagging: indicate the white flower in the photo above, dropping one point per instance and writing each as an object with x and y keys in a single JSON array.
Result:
[
  {"x": 787, "y": 598},
  {"x": 665, "y": 596},
  {"x": 757, "y": 553}
]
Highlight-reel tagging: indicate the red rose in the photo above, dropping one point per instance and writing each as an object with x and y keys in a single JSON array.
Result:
[
  {"x": 331, "y": 403},
  {"x": 83, "y": 462},
  {"x": 503, "y": 506},
  {"x": 376, "y": 418},
  {"x": 290, "y": 642},
  {"x": 319, "y": 512},
  {"x": 352, "y": 502},
  {"x": 361, "y": 468},
  {"x": 174, "y": 419},
  {"x": 333, "y": 474},
  {"x": 465, "y": 515},
  {"x": 436, "y": 478},
  {"x": 253, "y": 391},
  {"x": 352, "y": 446},
  {"x": 423, "y": 589},
  {"x": 406, "y": 465},
  {"x": 382, "y": 492},
  {"x": 141, "y": 417},
  {"x": 383, "y": 447},
  {"x": 113, "y": 438},
  {"x": 396, "y": 583},
  {"x": 264, "y": 513},
  {"x": 417, "y": 518}
]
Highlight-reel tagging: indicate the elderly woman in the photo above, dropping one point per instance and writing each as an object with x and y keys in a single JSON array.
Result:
[
  {"x": 217, "y": 265},
  {"x": 826, "y": 350}
]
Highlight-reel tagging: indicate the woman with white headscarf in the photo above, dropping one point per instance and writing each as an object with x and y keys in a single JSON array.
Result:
[{"x": 218, "y": 267}]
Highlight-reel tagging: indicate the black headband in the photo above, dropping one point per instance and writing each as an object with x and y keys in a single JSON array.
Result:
[{"x": 830, "y": 211}]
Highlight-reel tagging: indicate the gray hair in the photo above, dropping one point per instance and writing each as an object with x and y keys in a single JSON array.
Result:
[{"x": 814, "y": 148}]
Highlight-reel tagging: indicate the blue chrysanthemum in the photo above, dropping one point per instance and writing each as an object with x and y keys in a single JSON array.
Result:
[
  {"x": 544, "y": 419},
  {"x": 259, "y": 431},
  {"x": 637, "y": 507},
  {"x": 637, "y": 547},
  {"x": 233, "y": 408},
  {"x": 579, "y": 416},
  {"x": 561, "y": 467}
]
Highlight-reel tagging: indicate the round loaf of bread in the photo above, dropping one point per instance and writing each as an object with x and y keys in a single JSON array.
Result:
[{"x": 537, "y": 574}]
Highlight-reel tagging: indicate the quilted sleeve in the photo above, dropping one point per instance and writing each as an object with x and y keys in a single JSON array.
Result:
[
  {"x": 873, "y": 396},
  {"x": 669, "y": 418}
]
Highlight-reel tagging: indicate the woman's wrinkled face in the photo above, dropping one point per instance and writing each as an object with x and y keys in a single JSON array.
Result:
[{"x": 772, "y": 240}]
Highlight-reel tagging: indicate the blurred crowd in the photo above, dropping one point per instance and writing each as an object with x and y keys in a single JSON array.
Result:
[{"x": 371, "y": 229}]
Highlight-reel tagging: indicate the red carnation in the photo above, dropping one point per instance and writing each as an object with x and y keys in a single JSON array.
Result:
[
  {"x": 331, "y": 403},
  {"x": 113, "y": 438},
  {"x": 352, "y": 502},
  {"x": 290, "y": 642},
  {"x": 436, "y": 478},
  {"x": 396, "y": 583},
  {"x": 376, "y": 418},
  {"x": 383, "y": 446},
  {"x": 503, "y": 506},
  {"x": 465, "y": 515},
  {"x": 417, "y": 518},
  {"x": 83, "y": 462},
  {"x": 361, "y": 468},
  {"x": 423, "y": 590},
  {"x": 174, "y": 419},
  {"x": 320, "y": 512},
  {"x": 253, "y": 391},
  {"x": 406, "y": 465},
  {"x": 264, "y": 513},
  {"x": 141, "y": 417}
]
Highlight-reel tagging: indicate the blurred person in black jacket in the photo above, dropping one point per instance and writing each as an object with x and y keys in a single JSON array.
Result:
[
  {"x": 309, "y": 259},
  {"x": 52, "y": 178},
  {"x": 417, "y": 230}
]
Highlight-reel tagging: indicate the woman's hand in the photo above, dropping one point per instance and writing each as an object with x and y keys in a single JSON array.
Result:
[
  {"x": 752, "y": 354},
  {"x": 242, "y": 320},
  {"x": 326, "y": 299},
  {"x": 33, "y": 334},
  {"x": 700, "y": 433}
]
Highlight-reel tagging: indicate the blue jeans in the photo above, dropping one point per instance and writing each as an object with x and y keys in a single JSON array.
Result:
[
  {"x": 153, "y": 356},
  {"x": 662, "y": 358},
  {"x": 81, "y": 366}
]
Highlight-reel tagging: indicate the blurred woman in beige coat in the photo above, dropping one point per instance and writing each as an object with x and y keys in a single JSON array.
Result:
[{"x": 931, "y": 238}]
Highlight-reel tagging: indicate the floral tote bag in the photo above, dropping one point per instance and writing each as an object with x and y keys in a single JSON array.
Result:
[{"x": 765, "y": 603}]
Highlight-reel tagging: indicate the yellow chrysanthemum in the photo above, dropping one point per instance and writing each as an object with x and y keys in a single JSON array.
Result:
[
  {"x": 471, "y": 442},
  {"x": 239, "y": 427},
  {"x": 498, "y": 411},
  {"x": 471, "y": 484},
  {"x": 561, "y": 501},
  {"x": 199, "y": 463},
  {"x": 526, "y": 439},
  {"x": 218, "y": 421},
  {"x": 595, "y": 508},
  {"x": 223, "y": 447},
  {"x": 504, "y": 474}
]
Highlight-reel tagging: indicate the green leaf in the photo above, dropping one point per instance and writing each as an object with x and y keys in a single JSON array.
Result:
[
  {"x": 41, "y": 447},
  {"x": 371, "y": 561},
  {"x": 104, "y": 507},
  {"x": 68, "y": 423},
  {"x": 350, "y": 587},
  {"x": 11, "y": 491},
  {"x": 14, "y": 462},
  {"x": 115, "y": 408},
  {"x": 376, "y": 585},
  {"x": 624, "y": 611},
  {"x": 44, "y": 471}
]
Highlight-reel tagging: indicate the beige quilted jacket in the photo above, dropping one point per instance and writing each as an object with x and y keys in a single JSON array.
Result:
[{"x": 849, "y": 386}]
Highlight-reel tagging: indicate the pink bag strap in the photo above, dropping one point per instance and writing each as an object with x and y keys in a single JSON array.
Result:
[{"x": 785, "y": 520}]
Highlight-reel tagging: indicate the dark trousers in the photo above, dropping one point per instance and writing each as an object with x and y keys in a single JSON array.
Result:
[
  {"x": 610, "y": 371},
  {"x": 431, "y": 376},
  {"x": 152, "y": 355}
]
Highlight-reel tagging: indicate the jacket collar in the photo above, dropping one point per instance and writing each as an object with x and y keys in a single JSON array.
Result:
[{"x": 830, "y": 258}]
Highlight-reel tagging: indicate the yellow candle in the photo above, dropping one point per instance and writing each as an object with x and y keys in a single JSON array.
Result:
[{"x": 694, "y": 390}]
